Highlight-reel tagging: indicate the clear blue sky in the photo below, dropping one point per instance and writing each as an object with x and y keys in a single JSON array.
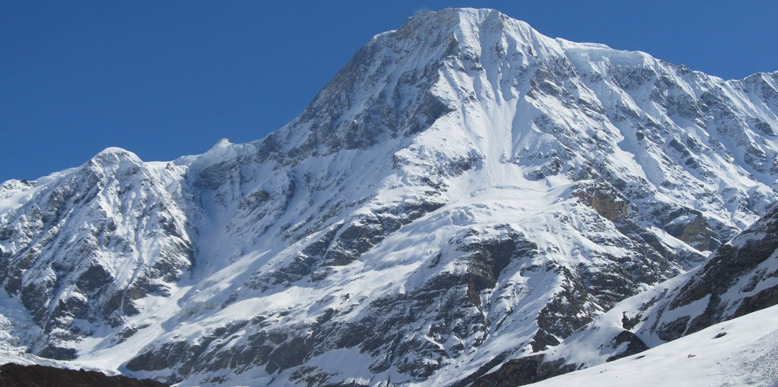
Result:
[{"x": 168, "y": 78}]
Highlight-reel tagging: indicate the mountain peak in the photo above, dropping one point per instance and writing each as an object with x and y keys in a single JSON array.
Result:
[
  {"x": 114, "y": 154},
  {"x": 471, "y": 27},
  {"x": 461, "y": 17},
  {"x": 392, "y": 87},
  {"x": 111, "y": 160},
  {"x": 453, "y": 17}
]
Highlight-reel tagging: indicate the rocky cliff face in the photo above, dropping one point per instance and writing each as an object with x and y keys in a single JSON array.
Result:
[{"x": 466, "y": 190}]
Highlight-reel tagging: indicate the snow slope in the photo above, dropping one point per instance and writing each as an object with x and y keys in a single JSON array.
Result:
[
  {"x": 466, "y": 190},
  {"x": 739, "y": 352}
]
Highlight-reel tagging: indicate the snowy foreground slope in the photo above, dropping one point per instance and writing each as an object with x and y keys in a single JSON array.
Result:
[
  {"x": 740, "y": 352},
  {"x": 466, "y": 191}
]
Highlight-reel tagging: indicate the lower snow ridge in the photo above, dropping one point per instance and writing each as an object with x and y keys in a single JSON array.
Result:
[{"x": 739, "y": 352}]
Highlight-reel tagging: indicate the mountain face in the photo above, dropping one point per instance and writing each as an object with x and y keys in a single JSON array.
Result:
[
  {"x": 739, "y": 278},
  {"x": 465, "y": 191}
]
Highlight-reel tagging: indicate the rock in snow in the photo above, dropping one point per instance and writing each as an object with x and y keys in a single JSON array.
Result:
[{"x": 464, "y": 193}]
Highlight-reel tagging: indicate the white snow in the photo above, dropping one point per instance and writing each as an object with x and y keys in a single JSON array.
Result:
[{"x": 739, "y": 352}]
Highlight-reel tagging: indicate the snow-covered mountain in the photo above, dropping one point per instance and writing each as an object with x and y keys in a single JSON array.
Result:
[{"x": 464, "y": 192}]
